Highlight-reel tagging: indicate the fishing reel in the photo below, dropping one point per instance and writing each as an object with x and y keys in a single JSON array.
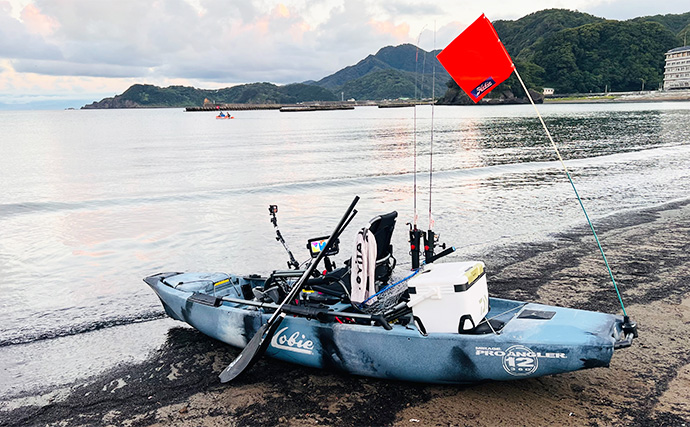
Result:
[{"x": 430, "y": 240}]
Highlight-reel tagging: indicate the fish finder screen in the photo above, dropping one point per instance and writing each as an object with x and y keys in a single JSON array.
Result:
[{"x": 316, "y": 245}]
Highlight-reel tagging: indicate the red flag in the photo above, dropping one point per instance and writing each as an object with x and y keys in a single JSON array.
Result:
[{"x": 477, "y": 60}]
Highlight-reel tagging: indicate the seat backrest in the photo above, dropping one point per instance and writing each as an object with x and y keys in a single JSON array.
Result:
[{"x": 382, "y": 228}]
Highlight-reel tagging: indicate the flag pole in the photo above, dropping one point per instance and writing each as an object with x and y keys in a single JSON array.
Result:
[{"x": 558, "y": 153}]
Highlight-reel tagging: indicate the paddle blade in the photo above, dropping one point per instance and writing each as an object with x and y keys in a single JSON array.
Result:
[{"x": 251, "y": 353}]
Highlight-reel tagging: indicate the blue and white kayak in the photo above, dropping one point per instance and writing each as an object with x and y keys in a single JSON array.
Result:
[{"x": 514, "y": 340}]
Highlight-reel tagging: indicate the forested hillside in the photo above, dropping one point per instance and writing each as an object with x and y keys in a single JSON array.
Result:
[
  {"x": 610, "y": 55},
  {"x": 519, "y": 35},
  {"x": 575, "y": 52},
  {"x": 401, "y": 67},
  {"x": 149, "y": 96}
]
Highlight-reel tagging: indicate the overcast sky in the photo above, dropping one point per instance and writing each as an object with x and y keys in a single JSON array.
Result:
[{"x": 65, "y": 53}]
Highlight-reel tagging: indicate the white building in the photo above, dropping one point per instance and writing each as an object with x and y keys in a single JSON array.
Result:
[
  {"x": 677, "y": 73},
  {"x": 548, "y": 91}
]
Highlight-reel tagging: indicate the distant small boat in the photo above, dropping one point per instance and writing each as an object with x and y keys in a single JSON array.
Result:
[{"x": 225, "y": 116}]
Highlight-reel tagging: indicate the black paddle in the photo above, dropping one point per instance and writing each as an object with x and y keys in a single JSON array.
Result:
[{"x": 258, "y": 344}]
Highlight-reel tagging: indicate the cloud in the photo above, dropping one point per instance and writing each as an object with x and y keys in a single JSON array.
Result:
[
  {"x": 38, "y": 23},
  {"x": 67, "y": 68},
  {"x": 403, "y": 9},
  {"x": 233, "y": 39},
  {"x": 238, "y": 41},
  {"x": 17, "y": 41}
]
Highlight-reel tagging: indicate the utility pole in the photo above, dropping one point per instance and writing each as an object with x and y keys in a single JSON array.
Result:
[{"x": 642, "y": 90}]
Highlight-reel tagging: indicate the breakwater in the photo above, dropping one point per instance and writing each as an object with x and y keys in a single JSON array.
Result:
[
  {"x": 235, "y": 107},
  {"x": 307, "y": 106}
]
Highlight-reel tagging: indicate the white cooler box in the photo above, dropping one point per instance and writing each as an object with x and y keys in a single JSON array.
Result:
[{"x": 443, "y": 294}]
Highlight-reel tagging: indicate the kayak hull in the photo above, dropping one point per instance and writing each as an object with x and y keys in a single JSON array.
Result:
[{"x": 528, "y": 345}]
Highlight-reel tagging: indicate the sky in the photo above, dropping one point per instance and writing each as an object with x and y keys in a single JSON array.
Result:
[{"x": 66, "y": 53}]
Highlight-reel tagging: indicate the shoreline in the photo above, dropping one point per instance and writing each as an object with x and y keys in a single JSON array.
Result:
[
  {"x": 618, "y": 97},
  {"x": 646, "y": 384}
]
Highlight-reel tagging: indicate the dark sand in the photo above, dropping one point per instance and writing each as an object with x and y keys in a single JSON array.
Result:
[{"x": 647, "y": 384}]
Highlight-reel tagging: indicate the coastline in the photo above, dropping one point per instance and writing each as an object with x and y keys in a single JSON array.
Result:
[
  {"x": 648, "y": 383},
  {"x": 642, "y": 96}
]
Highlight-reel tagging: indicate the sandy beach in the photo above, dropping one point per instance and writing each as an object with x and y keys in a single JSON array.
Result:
[{"x": 647, "y": 384}]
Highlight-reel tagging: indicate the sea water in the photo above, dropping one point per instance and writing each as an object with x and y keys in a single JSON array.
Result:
[{"x": 92, "y": 201}]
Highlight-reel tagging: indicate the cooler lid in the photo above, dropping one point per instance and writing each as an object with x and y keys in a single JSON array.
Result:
[{"x": 457, "y": 274}]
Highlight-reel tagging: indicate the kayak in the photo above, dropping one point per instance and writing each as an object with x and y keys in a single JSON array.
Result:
[
  {"x": 438, "y": 325},
  {"x": 527, "y": 339},
  {"x": 225, "y": 117}
]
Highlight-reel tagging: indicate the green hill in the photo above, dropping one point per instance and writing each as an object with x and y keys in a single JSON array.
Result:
[
  {"x": 401, "y": 64},
  {"x": 575, "y": 52},
  {"x": 678, "y": 24},
  {"x": 519, "y": 35},
  {"x": 611, "y": 55},
  {"x": 382, "y": 84},
  {"x": 149, "y": 96}
]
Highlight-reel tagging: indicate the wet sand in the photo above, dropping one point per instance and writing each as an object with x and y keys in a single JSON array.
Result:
[{"x": 647, "y": 384}]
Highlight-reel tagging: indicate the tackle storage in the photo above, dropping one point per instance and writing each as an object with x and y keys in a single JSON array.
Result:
[{"x": 449, "y": 297}]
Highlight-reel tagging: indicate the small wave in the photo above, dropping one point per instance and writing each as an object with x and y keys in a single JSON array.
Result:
[
  {"x": 83, "y": 328},
  {"x": 12, "y": 209}
]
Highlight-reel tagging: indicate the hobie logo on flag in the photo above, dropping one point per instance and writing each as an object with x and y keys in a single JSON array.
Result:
[
  {"x": 477, "y": 60},
  {"x": 483, "y": 87}
]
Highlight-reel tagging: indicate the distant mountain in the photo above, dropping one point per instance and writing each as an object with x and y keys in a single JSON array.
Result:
[
  {"x": 399, "y": 62},
  {"x": 610, "y": 55},
  {"x": 381, "y": 84},
  {"x": 518, "y": 36},
  {"x": 139, "y": 95},
  {"x": 576, "y": 52},
  {"x": 149, "y": 96},
  {"x": 678, "y": 24},
  {"x": 268, "y": 93}
]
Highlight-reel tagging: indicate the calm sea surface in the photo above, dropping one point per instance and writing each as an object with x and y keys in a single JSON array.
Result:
[{"x": 93, "y": 201}]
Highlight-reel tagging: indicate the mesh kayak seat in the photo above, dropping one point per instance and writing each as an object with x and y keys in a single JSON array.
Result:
[{"x": 337, "y": 282}]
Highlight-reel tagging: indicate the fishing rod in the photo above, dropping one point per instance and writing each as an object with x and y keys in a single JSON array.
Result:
[
  {"x": 418, "y": 236},
  {"x": 292, "y": 263},
  {"x": 415, "y": 233},
  {"x": 430, "y": 239}
]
